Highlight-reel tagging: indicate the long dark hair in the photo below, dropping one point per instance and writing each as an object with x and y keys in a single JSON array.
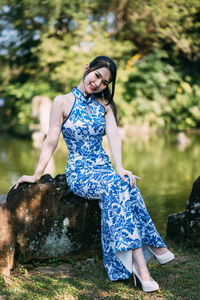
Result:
[{"x": 105, "y": 62}]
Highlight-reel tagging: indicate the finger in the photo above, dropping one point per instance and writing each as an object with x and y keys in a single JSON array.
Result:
[
  {"x": 16, "y": 186},
  {"x": 123, "y": 178},
  {"x": 131, "y": 179},
  {"x": 18, "y": 182},
  {"x": 134, "y": 181},
  {"x": 131, "y": 182},
  {"x": 130, "y": 176}
]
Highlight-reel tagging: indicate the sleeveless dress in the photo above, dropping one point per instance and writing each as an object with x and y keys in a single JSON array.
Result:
[{"x": 125, "y": 222}]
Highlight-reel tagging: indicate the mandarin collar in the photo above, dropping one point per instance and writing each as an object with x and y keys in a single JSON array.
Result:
[{"x": 78, "y": 94}]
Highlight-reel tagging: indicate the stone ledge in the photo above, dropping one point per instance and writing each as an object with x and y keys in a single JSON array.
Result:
[
  {"x": 45, "y": 220},
  {"x": 185, "y": 226}
]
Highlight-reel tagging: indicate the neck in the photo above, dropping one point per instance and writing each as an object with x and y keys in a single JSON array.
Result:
[{"x": 81, "y": 88}]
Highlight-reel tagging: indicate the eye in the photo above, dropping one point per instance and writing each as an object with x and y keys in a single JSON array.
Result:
[
  {"x": 105, "y": 83},
  {"x": 97, "y": 75}
]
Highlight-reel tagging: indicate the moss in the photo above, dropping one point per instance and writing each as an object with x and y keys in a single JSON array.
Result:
[{"x": 87, "y": 279}]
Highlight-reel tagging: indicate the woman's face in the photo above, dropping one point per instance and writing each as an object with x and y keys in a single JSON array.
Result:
[{"x": 97, "y": 80}]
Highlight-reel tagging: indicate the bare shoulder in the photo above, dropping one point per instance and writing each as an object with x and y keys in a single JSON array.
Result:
[
  {"x": 64, "y": 99},
  {"x": 64, "y": 103}
]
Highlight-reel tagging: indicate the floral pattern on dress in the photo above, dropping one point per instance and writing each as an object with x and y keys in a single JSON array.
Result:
[{"x": 125, "y": 222}]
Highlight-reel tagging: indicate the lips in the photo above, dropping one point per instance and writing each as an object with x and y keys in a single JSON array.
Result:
[{"x": 92, "y": 88}]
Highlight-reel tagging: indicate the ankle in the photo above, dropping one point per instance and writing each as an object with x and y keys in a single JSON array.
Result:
[
  {"x": 159, "y": 251},
  {"x": 142, "y": 271}
]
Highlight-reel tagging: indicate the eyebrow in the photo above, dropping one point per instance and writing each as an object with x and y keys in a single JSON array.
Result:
[{"x": 102, "y": 76}]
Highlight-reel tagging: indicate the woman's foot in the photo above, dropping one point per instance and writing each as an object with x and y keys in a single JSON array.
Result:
[
  {"x": 159, "y": 251},
  {"x": 162, "y": 254},
  {"x": 140, "y": 271},
  {"x": 140, "y": 264},
  {"x": 147, "y": 285}
]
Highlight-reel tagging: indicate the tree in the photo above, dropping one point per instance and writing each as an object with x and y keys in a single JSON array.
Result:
[{"x": 150, "y": 25}]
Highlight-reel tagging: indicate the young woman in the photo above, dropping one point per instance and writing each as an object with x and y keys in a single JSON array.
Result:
[{"x": 129, "y": 237}]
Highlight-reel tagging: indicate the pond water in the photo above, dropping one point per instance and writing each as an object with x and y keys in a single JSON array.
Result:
[{"x": 167, "y": 170}]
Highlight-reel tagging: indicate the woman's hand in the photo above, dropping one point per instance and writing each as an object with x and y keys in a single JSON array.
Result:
[
  {"x": 122, "y": 172},
  {"x": 26, "y": 178}
]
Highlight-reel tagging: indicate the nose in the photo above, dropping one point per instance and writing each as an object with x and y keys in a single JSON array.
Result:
[{"x": 98, "y": 82}]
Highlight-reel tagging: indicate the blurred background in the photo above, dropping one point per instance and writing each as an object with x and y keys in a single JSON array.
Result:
[{"x": 44, "y": 46}]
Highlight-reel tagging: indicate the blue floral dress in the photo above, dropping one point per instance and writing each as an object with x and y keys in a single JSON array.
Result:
[{"x": 125, "y": 222}]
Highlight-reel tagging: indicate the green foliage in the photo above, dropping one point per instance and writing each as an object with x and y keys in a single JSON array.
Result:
[
  {"x": 161, "y": 95},
  {"x": 65, "y": 59},
  {"x": 172, "y": 25},
  {"x": 183, "y": 111},
  {"x": 18, "y": 104},
  {"x": 54, "y": 262},
  {"x": 155, "y": 44},
  {"x": 2, "y": 282}
]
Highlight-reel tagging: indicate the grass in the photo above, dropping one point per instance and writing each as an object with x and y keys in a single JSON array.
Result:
[{"x": 86, "y": 278}]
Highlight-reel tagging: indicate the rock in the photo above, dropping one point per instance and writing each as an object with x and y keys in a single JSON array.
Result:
[
  {"x": 176, "y": 226},
  {"x": 45, "y": 220},
  {"x": 192, "y": 219},
  {"x": 185, "y": 226}
]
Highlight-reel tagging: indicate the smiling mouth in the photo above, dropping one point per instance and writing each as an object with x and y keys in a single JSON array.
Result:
[{"x": 92, "y": 88}]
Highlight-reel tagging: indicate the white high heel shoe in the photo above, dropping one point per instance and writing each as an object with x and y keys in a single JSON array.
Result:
[
  {"x": 163, "y": 258},
  {"x": 147, "y": 286}
]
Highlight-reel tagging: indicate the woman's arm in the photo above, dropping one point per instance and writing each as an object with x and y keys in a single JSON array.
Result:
[
  {"x": 115, "y": 146},
  {"x": 50, "y": 143}
]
